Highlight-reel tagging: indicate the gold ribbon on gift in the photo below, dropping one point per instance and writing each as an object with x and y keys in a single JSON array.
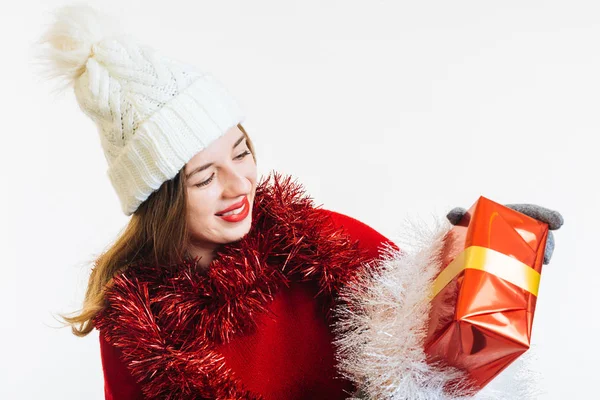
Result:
[{"x": 503, "y": 266}]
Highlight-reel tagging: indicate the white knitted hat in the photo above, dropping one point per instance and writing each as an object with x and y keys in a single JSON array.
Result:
[{"x": 153, "y": 113}]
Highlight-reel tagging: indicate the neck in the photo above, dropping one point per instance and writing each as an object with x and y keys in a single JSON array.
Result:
[{"x": 204, "y": 254}]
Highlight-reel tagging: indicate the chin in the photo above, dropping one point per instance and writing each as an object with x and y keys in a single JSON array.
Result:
[{"x": 234, "y": 234}]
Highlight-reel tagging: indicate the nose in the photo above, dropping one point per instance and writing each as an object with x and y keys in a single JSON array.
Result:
[{"x": 236, "y": 184}]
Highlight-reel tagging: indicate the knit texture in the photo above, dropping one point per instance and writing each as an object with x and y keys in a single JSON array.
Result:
[{"x": 153, "y": 113}]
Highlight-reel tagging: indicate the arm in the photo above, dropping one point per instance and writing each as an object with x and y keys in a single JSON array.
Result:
[
  {"x": 382, "y": 323},
  {"x": 118, "y": 381},
  {"x": 382, "y": 318}
]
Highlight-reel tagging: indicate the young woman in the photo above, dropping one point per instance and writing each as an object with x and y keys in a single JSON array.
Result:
[
  {"x": 222, "y": 286},
  {"x": 267, "y": 333}
]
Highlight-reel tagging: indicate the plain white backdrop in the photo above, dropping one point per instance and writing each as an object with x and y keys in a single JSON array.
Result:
[{"x": 383, "y": 109}]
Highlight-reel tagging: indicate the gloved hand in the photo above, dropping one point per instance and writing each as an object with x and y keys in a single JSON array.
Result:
[{"x": 553, "y": 218}]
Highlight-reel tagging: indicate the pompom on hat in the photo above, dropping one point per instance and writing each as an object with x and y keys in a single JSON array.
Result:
[{"x": 153, "y": 113}]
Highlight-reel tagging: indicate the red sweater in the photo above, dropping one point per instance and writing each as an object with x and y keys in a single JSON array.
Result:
[{"x": 289, "y": 357}]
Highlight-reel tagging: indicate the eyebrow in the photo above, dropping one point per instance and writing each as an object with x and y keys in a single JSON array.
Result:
[{"x": 202, "y": 168}]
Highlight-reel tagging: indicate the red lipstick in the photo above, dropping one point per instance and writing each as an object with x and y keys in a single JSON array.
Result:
[
  {"x": 233, "y": 207},
  {"x": 236, "y": 217}
]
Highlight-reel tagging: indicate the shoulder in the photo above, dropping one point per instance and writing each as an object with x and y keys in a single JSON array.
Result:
[{"x": 367, "y": 237}]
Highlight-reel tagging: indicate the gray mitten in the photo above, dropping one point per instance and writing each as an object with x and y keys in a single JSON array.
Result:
[{"x": 553, "y": 218}]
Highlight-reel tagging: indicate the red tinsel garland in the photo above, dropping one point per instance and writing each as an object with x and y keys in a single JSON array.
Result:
[{"x": 167, "y": 319}]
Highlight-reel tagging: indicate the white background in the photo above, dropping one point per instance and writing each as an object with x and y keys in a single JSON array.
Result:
[{"x": 382, "y": 109}]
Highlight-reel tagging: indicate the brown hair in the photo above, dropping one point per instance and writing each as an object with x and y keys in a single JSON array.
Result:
[{"x": 157, "y": 232}]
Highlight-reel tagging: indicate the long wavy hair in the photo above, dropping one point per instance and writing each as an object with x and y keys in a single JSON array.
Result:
[{"x": 157, "y": 232}]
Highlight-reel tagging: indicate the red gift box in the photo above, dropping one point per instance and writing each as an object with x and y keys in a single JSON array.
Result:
[{"x": 483, "y": 300}]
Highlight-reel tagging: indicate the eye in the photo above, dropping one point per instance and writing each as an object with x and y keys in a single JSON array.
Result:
[
  {"x": 206, "y": 182},
  {"x": 244, "y": 154}
]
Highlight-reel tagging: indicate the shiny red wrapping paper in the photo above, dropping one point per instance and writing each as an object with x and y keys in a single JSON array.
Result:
[{"x": 482, "y": 310}]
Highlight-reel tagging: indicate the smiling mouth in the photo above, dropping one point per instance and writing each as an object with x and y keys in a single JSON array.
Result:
[
  {"x": 233, "y": 212},
  {"x": 237, "y": 215},
  {"x": 241, "y": 204}
]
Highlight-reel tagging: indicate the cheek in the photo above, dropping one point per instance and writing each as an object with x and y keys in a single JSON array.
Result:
[{"x": 201, "y": 204}]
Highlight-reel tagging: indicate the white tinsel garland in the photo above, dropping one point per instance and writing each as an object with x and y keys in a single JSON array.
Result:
[{"x": 382, "y": 324}]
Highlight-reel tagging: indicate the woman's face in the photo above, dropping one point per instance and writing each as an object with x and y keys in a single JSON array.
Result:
[{"x": 218, "y": 177}]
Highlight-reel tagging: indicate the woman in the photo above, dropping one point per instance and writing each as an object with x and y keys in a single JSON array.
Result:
[
  {"x": 291, "y": 339},
  {"x": 221, "y": 286}
]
